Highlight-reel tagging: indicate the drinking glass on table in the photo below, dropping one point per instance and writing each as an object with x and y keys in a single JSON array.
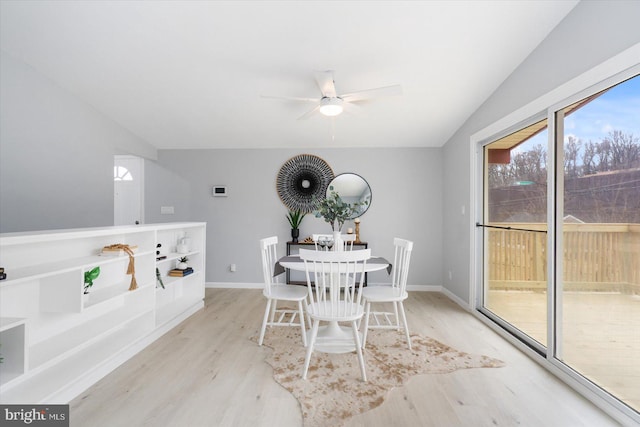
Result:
[
  {"x": 329, "y": 243},
  {"x": 322, "y": 242}
]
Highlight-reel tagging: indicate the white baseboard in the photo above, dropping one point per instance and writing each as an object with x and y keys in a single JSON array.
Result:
[{"x": 455, "y": 298}]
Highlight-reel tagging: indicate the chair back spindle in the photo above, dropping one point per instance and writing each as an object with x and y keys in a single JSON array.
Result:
[
  {"x": 401, "y": 260},
  {"x": 335, "y": 280},
  {"x": 269, "y": 258}
]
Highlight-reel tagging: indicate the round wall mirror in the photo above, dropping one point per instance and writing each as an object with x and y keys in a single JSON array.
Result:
[{"x": 352, "y": 188}]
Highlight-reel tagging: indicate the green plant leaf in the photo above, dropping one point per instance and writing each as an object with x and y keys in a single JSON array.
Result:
[
  {"x": 89, "y": 277},
  {"x": 335, "y": 211},
  {"x": 295, "y": 218},
  {"x": 92, "y": 274}
]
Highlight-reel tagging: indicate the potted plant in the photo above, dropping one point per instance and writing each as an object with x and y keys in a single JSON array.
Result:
[
  {"x": 89, "y": 277},
  {"x": 335, "y": 211},
  {"x": 295, "y": 218},
  {"x": 182, "y": 263}
]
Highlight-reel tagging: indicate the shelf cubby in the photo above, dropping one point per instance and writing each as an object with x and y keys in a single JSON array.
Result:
[{"x": 12, "y": 348}]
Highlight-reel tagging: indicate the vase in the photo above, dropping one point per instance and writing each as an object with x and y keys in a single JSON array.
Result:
[
  {"x": 183, "y": 245},
  {"x": 338, "y": 244},
  {"x": 295, "y": 233}
]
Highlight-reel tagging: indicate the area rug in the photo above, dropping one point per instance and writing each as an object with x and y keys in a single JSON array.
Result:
[{"x": 334, "y": 391}]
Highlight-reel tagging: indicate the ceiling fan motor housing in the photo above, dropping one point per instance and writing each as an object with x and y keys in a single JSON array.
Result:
[{"x": 331, "y": 106}]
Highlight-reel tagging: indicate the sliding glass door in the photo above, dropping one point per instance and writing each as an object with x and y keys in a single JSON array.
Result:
[
  {"x": 560, "y": 231},
  {"x": 598, "y": 241},
  {"x": 515, "y": 226}
]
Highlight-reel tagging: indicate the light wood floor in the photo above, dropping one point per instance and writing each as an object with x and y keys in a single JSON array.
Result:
[
  {"x": 206, "y": 372},
  {"x": 592, "y": 322}
]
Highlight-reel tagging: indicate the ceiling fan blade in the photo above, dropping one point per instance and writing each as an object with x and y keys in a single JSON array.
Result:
[
  {"x": 291, "y": 98},
  {"x": 372, "y": 93},
  {"x": 326, "y": 83},
  {"x": 309, "y": 113},
  {"x": 352, "y": 108}
]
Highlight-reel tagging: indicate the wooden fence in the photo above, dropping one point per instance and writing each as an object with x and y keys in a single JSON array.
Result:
[{"x": 597, "y": 257}]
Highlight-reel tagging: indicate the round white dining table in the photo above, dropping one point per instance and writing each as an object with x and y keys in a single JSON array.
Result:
[
  {"x": 332, "y": 338},
  {"x": 293, "y": 262}
]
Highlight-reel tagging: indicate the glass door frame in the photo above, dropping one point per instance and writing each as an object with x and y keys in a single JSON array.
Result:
[
  {"x": 610, "y": 73},
  {"x": 479, "y": 231}
]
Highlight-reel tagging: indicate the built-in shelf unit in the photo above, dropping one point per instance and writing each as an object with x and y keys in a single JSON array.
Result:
[{"x": 55, "y": 340}]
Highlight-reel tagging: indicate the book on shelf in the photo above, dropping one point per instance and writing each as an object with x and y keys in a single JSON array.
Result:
[{"x": 180, "y": 273}]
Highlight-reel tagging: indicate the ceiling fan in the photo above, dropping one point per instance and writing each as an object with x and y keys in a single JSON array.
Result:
[{"x": 331, "y": 104}]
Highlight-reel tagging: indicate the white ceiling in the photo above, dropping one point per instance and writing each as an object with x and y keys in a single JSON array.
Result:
[{"x": 190, "y": 74}]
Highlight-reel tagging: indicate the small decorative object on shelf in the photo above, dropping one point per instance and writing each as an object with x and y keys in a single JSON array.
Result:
[
  {"x": 183, "y": 245},
  {"x": 182, "y": 263},
  {"x": 89, "y": 277},
  {"x": 159, "y": 278},
  {"x": 295, "y": 218},
  {"x": 131, "y": 268},
  {"x": 3, "y": 275},
  {"x": 159, "y": 257},
  {"x": 357, "y": 222},
  {"x": 176, "y": 272},
  {"x": 117, "y": 250}
]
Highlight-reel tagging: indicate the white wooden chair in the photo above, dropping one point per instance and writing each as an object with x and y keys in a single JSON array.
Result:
[
  {"x": 335, "y": 296},
  {"x": 348, "y": 240},
  {"x": 395, "y": 294},
  {"x": 275, "y": 292}
]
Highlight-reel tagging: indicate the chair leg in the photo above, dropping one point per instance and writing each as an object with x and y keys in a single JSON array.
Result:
[
  {"x": 356, "y": 338},
  {"x": 302, "y": 327},
  {"x": 312, "y": 342},
  {"x": 306, "y": 310},
  {"x": 406, "y": 326},
  {"x": 367, "y": 309},
  {"x": 274, "y": 306},
  {"x": 395, "y": 311},
  {"x": 264, "y": 321}
]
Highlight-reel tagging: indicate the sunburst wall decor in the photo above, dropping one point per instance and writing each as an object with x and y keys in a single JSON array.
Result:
[{"x": 302, "y": 179}]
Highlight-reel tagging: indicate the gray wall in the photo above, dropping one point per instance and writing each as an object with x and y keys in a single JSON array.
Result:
[
  {"x": 56, "y": 154},
  {"x": 592, "y": 33},
  {"x": 406, "y": 202}
]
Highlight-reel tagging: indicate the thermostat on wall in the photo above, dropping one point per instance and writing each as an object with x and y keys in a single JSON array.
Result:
[{"x": 219, "y": 191}]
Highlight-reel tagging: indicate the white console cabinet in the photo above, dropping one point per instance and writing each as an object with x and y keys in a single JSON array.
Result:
[{"x": 55, "y": 341}]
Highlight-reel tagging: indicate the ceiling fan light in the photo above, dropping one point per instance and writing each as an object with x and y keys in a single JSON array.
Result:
[{"x": 331, "y": 106}]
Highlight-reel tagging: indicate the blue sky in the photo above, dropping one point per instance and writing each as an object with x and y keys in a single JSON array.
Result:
[{"x": 616, "y": 109}]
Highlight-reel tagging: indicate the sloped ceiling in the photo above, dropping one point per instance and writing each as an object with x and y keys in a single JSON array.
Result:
[{"x": 190, "y": 74}]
